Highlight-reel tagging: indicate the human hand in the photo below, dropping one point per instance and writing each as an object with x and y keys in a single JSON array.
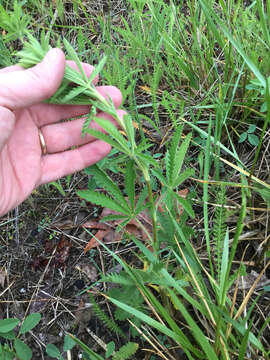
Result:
[{"x": 26, "y": 122}]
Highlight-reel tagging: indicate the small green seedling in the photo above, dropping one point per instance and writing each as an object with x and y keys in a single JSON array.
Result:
[
  {"x": 18, "y": 349},
  {"x": 250, "y": 136}
]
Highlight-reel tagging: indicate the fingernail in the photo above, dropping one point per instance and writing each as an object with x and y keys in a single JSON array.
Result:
[{"x": 53, "y": 55}]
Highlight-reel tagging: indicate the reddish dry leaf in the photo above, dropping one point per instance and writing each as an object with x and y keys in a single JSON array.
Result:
[
  {"x": 62, "y": 251},
  {"x": 93, "y": 224},
  {"x": 60, "y": 256},
  {"x": 107, "y": 233}
]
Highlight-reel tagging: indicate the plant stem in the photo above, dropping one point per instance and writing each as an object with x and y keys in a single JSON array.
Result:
[{"x": 152, "y": 210}]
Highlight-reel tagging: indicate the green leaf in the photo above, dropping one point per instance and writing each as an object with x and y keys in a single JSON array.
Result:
[
  {"x": 183, "y": 177},
  {"x": 30, "y": 322},
  {"x": 88, "y": 351},
  {"x": 110, "y": 349},
  {"x": 253, "y": 139},
  {"x": 112, "y": 130},
  {"x": 158, "y": 174},
  {"x": 73, "y": 92},
  {"x": 7, "y": 325},
  {"x": 140, "y": 205},
  {"x": 102, "y": 200},
  {"x": 251, "y": 128},
  {"x": 129, "y": 130},
  {"x": 179, "y": 157},
  {"x": 101, "y": 136},
  {"x": 73, "y": 56},
  {"x": 146, "y": 159},
  {"x": 9, "y": 335},
  {"x": 53, "y": 352},
  {"x": 211, "y": 14},
  {"x": 244, "y": 343},
  {"x": 97, "y": 69},
  {"x": 130, "y": 177},
  {"x": 186, "y": 204},
  {"x": 179, "y": 338},
  {"x": 69, "y": 343},
  {"x": 198, "y": 334},
  {"x": 88, "y": 120},
  {"x": 223, "y": 270},
  {"x": 171, "y": 153},
  {"x": 126, "y": 351},
  {"x": 242, "y": 137},
  {"x": 22, "y": 350},
  {"x": 104, "y": 181}
]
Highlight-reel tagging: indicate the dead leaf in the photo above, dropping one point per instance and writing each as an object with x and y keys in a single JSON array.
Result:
[
  {"x": 62, "y": 251},
  {"x": 3, "y": 276},
  {"x": 89, "y": 270},
  {"x": 107, "y": 231}
]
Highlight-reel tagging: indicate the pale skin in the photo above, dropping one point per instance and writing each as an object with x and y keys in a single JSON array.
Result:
[{"x": 23, "y": 167}]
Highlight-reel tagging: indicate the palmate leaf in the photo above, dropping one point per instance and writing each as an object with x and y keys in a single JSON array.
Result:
[
  {"x": 103, "y": 180},
  {"x": 33, "y": 52},
  {"x": 102, "y": 200}
]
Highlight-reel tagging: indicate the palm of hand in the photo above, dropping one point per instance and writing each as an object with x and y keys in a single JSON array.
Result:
[{"x": 20, "y": 160}]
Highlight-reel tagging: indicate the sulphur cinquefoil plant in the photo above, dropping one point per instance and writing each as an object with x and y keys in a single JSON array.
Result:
[{"x": 138, "y": 159}]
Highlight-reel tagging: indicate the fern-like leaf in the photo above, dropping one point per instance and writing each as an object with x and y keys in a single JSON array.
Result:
[
  {"x": 126, "y": 351},
  {"x": 88, "y": 120},
  {"x": 111, "y": 324},
  {"x": 122, "y": 279}
]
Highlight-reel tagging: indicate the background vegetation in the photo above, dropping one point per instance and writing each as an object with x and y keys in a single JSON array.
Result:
[{"x": 185, "y": 271}]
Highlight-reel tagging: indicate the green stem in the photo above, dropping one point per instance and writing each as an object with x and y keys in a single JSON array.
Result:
[{"x": 152, "y": 209}]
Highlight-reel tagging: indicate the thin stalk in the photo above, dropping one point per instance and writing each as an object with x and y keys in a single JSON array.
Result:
[{"x": 152, "y": 208}]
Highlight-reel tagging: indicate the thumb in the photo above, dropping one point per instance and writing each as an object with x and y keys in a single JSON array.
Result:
[
  {"x": 19, "y": 89},
  {"x": 7, "y": 122}
]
